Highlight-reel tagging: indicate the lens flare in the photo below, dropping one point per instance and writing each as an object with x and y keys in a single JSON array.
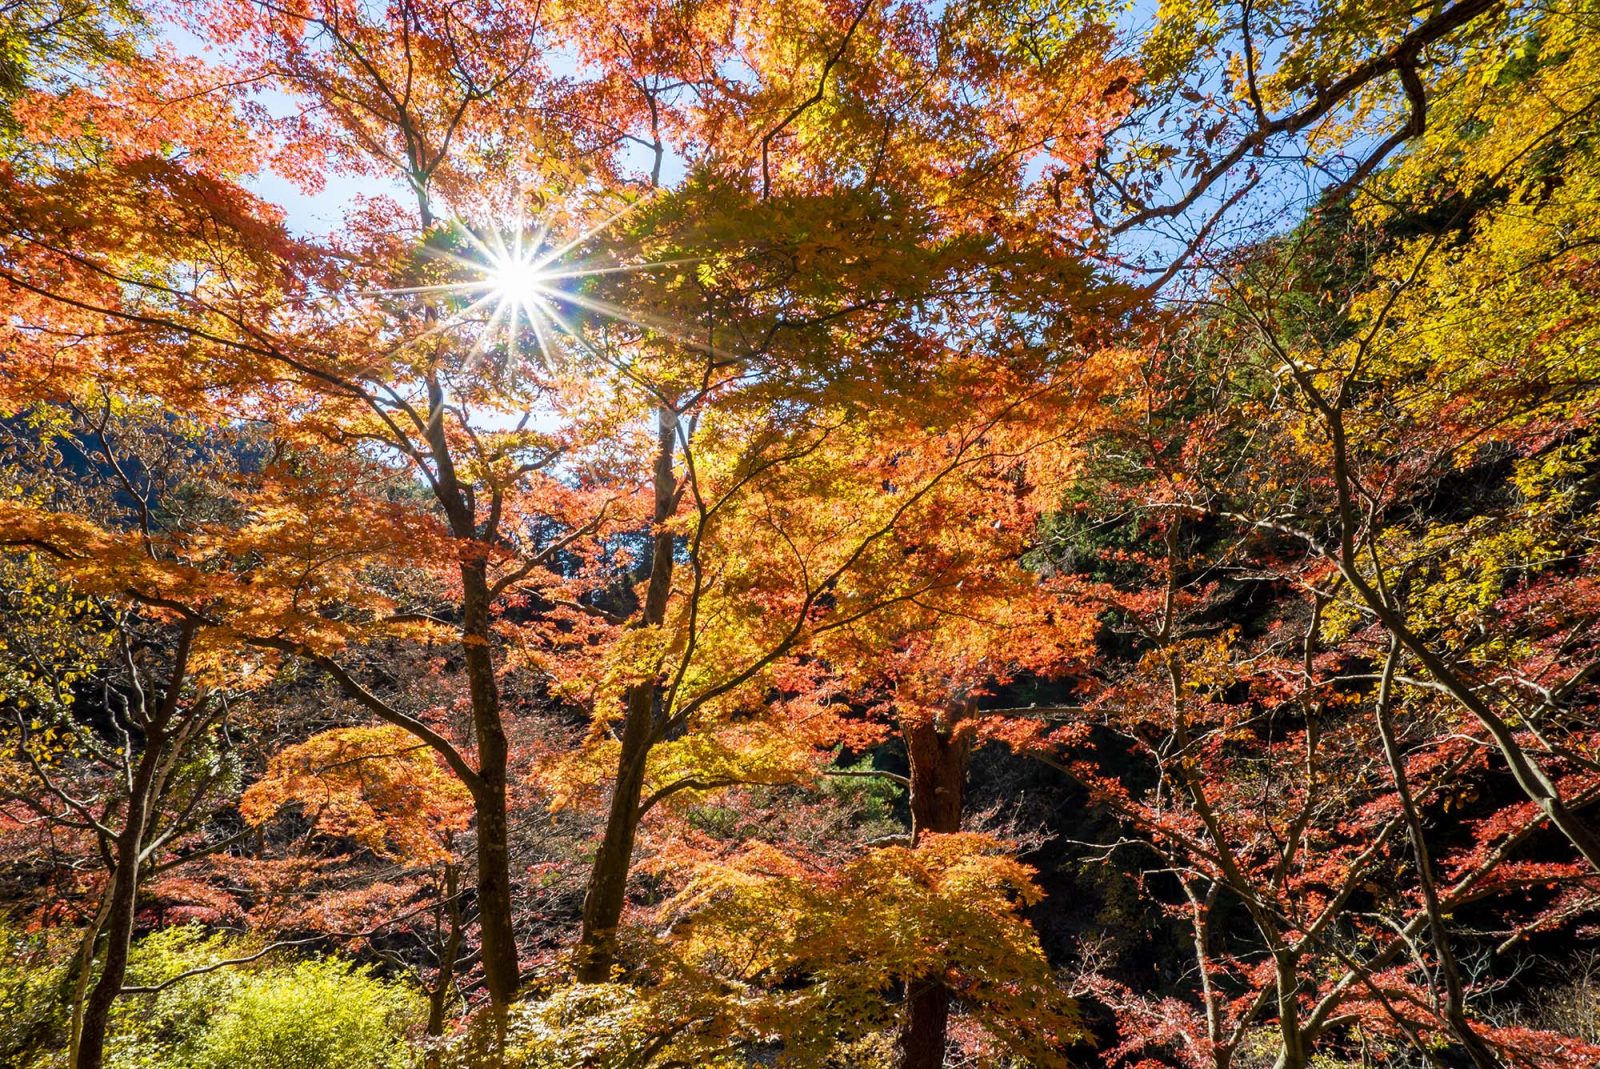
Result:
[
  {"x": 517, "y": 280},
  {"x": 523, "y": 287}
]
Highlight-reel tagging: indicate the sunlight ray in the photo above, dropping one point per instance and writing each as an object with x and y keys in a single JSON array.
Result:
[
  {"x": 580, "y": 271},
  {"x": 599, "y": 227},
  {"x": 651, "y": 323},
  {"x": 522, "y": 281},
  {"x": 445, "y": 324}
]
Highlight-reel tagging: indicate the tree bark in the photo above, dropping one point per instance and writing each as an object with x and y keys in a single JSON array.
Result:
[
  {"x": 1455, "y": 1011},
  {"x": 1294, "y": 1051},
  {"x": 439, "y": 992},
  {"x": 608, "y": 880},
  {"x": 118, "y": 925},
  {"x": 501, "y": 974},
  {"x": 938, "y": 756},
  {"x": 84, "y": 969},
  {"x": 498, "y": 942},
  {"x": 922, "y": 1038},
  {"x": 606, "y": 894}
]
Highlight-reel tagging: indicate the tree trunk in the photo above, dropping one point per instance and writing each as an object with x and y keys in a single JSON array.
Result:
[
  {"x": 1455, "y": 1011},
  {"x": 439, "y": 993},
  {"x": 1293, "y": 1054},
  {"x": 500, "y": 967},
  {"x": 608, "y": 879},
  {"x": 84, "y": 975},
  {"x": 498, "y": 942},
  {"x": 119, "y": 920},
  {"x": 938, "y": 756},
  {"x": 922, "y": 1039},
  {"x": 145, "y": 787}
]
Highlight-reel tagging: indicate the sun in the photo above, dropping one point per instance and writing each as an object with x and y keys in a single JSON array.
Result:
[
  {"x": 517, "y": 278},
  {"x": 521, "y": 287},
  {"x": 519, "y": 282},
  {"x": 515, "y": 284}
]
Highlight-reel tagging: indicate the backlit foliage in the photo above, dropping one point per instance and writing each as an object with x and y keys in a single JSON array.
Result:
[
  {"x": 377, "y": 785},
  {"x": 889, "y": 533}
]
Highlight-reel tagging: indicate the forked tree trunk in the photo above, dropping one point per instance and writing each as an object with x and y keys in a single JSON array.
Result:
[
  {"x": 146, "y": 785},
  {"x": 938, "y": 757},
  {"x": 118, "y": 927}
]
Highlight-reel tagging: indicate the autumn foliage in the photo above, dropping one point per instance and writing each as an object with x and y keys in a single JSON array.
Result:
[{"x": 991, "y": 533}]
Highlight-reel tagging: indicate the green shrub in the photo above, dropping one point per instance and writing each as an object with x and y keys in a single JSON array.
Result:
[
  {"x": 316, "y": 1013},
  {"x": 313, "y": 1015},
  {"x": 597, "y": 1026},
  {"x": 33, "y": 978}
]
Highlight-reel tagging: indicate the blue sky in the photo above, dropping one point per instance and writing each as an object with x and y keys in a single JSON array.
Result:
[{"x": 307, "y": 213}]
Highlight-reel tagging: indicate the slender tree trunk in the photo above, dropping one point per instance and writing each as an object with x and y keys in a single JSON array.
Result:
[
  {"x": 118, "y": 926},
  {"x": 606, "y": 895},
  {"x": 938, "y": 756},
  {"x": 1294, "y": 1053},
  {"x": 439, "y": 993},
  {"x": 1200, "y": 908},
  {"x": 608, "y": 880},
  {"x": 84, "y": 976},
  {"x": 501, "y": 974},
  {"x": 498, "y": 943},
  {"x": 1455, "y": 1011}
]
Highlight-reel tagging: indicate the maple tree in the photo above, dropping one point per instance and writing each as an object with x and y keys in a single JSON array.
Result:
[
  {"x": 388, "y": 793},
  {"x": 1286, "y": 771},
  {"x": 928, "y": 666},
  {"x": 1359, "y": 531},
  {"x": 324, "y": 380},
  {"x": 1414, "y": 322},
  {"x": 702, "y": 411},
  {"x": 131, "y": 776}
]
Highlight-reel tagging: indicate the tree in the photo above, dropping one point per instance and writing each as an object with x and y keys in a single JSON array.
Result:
[
  {"x": 902, "y": 218},
  {"x": 268, "y": 360},
  {"x": 928, "y": 666},
  {"x": 116, "y": 713},
  {"x": 947, "y": 907},
  {"x": 47, "y": 43},
  {"x": 696, "y": 397},
  {"x": 785, "y": 285},
  {"x": 1340, "y": 364},
  {"x": 1286, "y": 763},
  {"x": 391, "y": 795}
]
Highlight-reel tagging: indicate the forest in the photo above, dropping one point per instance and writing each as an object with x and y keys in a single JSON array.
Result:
[{"x": 827, "y": 534}]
